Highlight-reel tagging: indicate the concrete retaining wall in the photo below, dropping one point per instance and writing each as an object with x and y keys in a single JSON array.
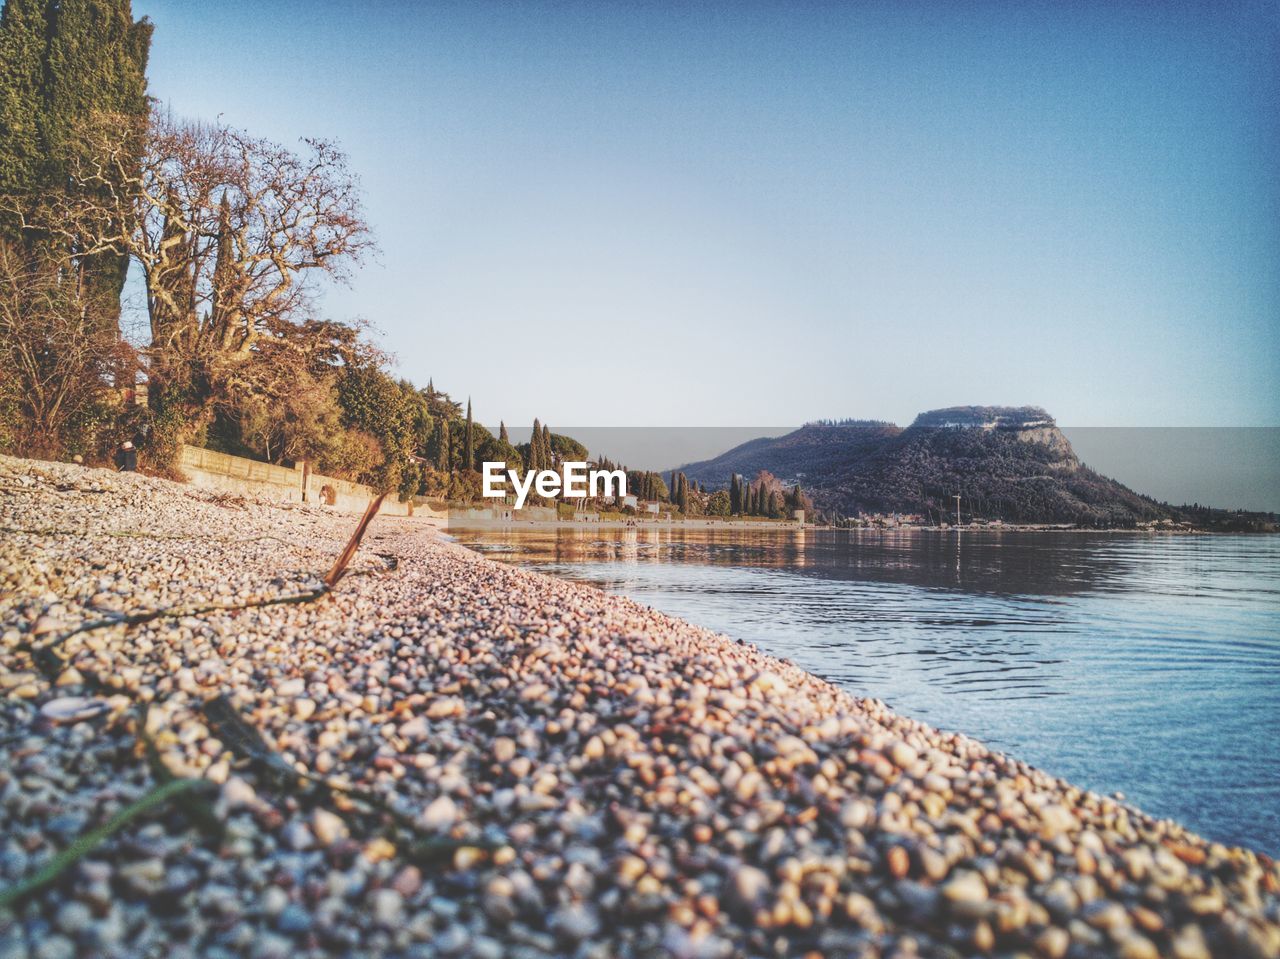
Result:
[
  {"x": 235, "y": 474},
  {"x": 502, "y": 514}
]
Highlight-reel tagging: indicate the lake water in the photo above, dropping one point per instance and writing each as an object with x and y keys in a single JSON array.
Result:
[{"x": 1148, "y": 665}]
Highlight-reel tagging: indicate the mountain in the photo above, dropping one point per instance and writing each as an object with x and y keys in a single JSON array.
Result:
[{"x": 1008, "y": 463}]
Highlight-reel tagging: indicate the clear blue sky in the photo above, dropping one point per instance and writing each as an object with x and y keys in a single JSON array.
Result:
[{"x": 736, "y": 214}]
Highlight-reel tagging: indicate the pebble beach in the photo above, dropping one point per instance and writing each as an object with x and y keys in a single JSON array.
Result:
[{"x": 207, "y": 752}]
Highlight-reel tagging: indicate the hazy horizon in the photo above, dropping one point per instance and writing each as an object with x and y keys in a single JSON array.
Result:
[{"x": 749, "y": 213}]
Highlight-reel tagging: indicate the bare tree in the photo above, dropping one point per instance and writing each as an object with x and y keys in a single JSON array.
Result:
[
  {"x": 226, "y": 228},
  {"x": 58, "y": 361}
]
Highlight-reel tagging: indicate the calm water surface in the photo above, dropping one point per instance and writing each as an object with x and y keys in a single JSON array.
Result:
[{"x": 1148, "y": 665}]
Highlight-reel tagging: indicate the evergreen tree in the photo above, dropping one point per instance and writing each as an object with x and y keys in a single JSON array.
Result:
[
  {"x": 445, "y": 460},
  {"x": 223, "y": 276},
  {"x": 24, "y": 31},
  {"x": 502, "y": 432},
  {"x": 548, "y": 452},
  {"x": 94, "y": 61},
  {"x": 796, "y": 500},
  {"x": 735, "y": 495},
  {"x": 535, "y": 447},
  {"x": 469, "y": 443}
]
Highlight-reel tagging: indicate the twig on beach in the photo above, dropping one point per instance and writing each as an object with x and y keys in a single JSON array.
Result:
[
  {"x": 170, "y": 612},
  {"x": 331, "y": 578},
  {"x": 197, "y": 808},
  {"x": 344, "y": 558},
  {"x": 144, "y": 534},
  {"x": 90, "y": 840},
  {"x": 245, "y": 740}
]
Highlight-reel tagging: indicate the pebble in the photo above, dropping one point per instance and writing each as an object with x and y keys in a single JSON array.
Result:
[
  {"x": 328, "y": 827},
  {"x": 72, "y": 709},
  {"x": 289, "y": 688},
  {"x": 901, "y": 754},
  {"x": 966, "y": 894},
  {"x": 294, "y": 920},
  {"x": 446, "y": 707},
  {"x": 575, "y": 922},
  {"x": 748, "y": 888},
  {"x": 74, "y": 918},
  {"x": 439, "y": 815},
  {"x": 415, "y": 729},
  {"x": 388, "y": 906}
]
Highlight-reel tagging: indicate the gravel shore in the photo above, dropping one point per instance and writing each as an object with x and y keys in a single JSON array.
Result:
[{"x": 444, "y": 756}]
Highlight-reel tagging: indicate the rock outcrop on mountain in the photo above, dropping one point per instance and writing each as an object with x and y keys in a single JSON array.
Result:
[{"x": 1007, "y": 463}]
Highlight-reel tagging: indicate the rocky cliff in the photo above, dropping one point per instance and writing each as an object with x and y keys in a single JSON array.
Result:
[{"x": 1008, "y": 463}]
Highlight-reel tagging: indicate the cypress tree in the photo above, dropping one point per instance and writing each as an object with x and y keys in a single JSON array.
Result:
[
  {"x": 535, "y": 447},
  {"x": 61, "y": 63},
  {"x": 735, "y": 495},
  {"x": 96, "y": 63},
  {"x": 446, "y": 447},
  {"x": 548, "y": 451},
  {"x": 24, "y": 32},
  {"x": 502, "y": 432},
  {"x": 469, "y": 448}
]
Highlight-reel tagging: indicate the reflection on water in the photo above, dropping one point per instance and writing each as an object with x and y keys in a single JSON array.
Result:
[{"x": 1149, "y": 665}]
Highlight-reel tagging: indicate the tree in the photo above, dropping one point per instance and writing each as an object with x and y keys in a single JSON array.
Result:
[
  {"x": 97, "y": 64},
  {"x": 469, "y": 447},
  {"x": 502, "y": 432},
  {"x": 57, "y": 360},
  {"x": 680, "y": 482},
  {"x": 299, "y": 423},
  {"x": 566, "y": 448},
  {"x": 63, "y": 64},
  {"x": 497, "y": 450},
  {"x": 24, "y": 32},
  {"x": 444, "y": 451},
  {"x": 392, "y": 412},
  {"x": 535, "y": 447},
  {"x": 226, "y": 229}
]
